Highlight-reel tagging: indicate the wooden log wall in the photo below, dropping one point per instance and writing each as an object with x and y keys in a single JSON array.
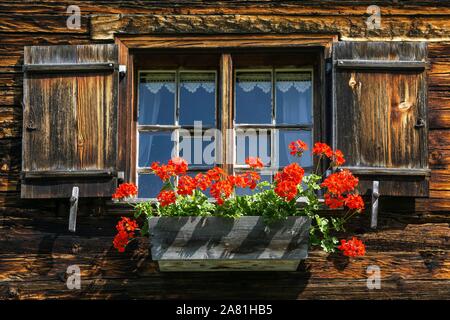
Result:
[{"x": 411, "y": 246}]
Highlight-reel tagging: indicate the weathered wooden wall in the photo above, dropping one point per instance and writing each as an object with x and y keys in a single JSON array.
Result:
[{"x": 411, "y": 246}]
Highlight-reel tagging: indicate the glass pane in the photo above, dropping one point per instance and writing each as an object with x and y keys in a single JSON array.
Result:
[
  {"x": 197, "y": 149},
  {"x": 253, "y": 92},
  {"x": 154, "y": 146},
  {"x": 197, "y": 98},
  {"x": 284, "y": 157},
  {"x": 149, "y": 185},
  {"x": 252, "y": 143},
  {"x": 248, "y": 191},
  {"x": 293, "y": 98},
  {"x": 157, "y": 98}
]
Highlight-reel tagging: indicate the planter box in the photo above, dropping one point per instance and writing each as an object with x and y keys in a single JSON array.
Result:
[{"x": 218, "y": 244}]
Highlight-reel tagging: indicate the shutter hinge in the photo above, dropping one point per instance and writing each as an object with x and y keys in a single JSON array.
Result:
[
  {"x": 122, "y": 70},
  {"x": 375, "y": 200},
  {"x": 73, "y": 209}
]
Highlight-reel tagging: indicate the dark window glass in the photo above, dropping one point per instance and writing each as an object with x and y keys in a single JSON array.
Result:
[
  {"x": 252, "y": 143},
  {"x": 154, "y": 146},
  {"x": 253, "y": 97},
  {"x": 157, "y": 99},
  {"x": 293, "y": 98},
  {"x": 149, "y": 185},
  {"x": 197, "y": 98}
]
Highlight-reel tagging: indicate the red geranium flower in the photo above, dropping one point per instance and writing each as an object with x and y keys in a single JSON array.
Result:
[
  {"x": 215, "y": 174},
  {"x": 125, "y": 190},
  {"x": 221, "y": 190},
  {"x": 120, "y": 241},
  {"x": 352, "y": 248},
  {"x": 203, "y": 181},
  {"x": 180, "y": 166},
  {"x": 186, "y": 185},
  {"x": 292, "y": 172},
  {"x": 338, "y": 158},
  {"x": 286, "y": 189},
  {"x": 126, "y": 225},
  {"x": 297, "y": 147},
  {"x": 166, "y": 197},
  {"x": 164, "y": 172},
  {"x": 250, "y": 179},
  {"x": 322, "y": 148},
  {"x": 254, "y": 162},
  {"x": 355, "y": 202},
  {"x": 334, "y": 201},
  {"x": 340, "y": 182}
]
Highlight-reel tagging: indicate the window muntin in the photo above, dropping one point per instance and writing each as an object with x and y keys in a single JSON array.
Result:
[
  {"x": 290, "y": 94},
  {"x": 170, "y": 102}
]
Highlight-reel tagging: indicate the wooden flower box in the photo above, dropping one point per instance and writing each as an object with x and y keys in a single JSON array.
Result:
[{"x": 223, "y": 244}]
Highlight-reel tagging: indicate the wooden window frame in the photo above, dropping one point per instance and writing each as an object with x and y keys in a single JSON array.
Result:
[{"x": 226, "y": 46}]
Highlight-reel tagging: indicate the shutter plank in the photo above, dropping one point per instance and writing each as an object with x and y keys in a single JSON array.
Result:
[
  {"x": 72, "y": 118},
  {"x": 379, "y": 97}
]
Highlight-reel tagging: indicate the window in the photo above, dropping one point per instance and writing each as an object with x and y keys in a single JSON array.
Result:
[
  {"x": 176, "y": 109},
  {"x": 272, "y": 108},
  {"x": 180, "y": 104}
]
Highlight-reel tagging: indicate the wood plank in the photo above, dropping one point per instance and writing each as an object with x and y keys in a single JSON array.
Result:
[
  {"x": 69, "y": 67},
  {"x": 227, "y": 265},
  {"x": 379, "y": 65},
  {"x": 104, "y": 27},
  {"x": 42, "y": 23},
  {"x": 227, "y": 114},
  {"x": 247, "y": 238}
]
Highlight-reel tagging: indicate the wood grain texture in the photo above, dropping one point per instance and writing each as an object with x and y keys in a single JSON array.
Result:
[
  {"x": 216, "y": 238},
  {"x": 411, "y": 245},
  {"x": 376, "y": 110},
  {"x": 70, "y": 120},
  {"x": 414, "y": 262}
]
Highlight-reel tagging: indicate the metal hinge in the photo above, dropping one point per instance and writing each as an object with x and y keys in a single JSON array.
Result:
[{"x": 122, "y": 70}]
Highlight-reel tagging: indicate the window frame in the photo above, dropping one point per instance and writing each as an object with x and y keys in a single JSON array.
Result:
[
  {"x": 132, "y": 47},
  {"x": 176, "y": 127},
  {"x": 273, "y": 127}
]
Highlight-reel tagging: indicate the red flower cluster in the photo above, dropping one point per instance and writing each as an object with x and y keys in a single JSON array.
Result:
[
  {"x": 352, "y": 248},
  {"x": 175, "y": 166},
  {"x": 288, "y": 180},
  {"x": 166, "y": 197},
  {"x": 202, "y": 181},
  {"x": 340, "y": 182},
  {"x": 186, "y": 185},
  {"x": 221, "y": 190},
  {"x": 297, "y": 148},
  {"x": 337, "y": 157},
  {"x": 125, "y": 232},
  {"x": 125, "y": 190},
  {"x": 254, "y": 162}
]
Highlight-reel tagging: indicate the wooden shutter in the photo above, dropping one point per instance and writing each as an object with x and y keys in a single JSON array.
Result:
[
  {"x": 69, "y": 120},
  {"x": 380, "y": 114}
]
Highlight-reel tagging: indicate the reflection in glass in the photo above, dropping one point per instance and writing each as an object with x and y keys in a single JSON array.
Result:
[
  {"x": 197, "y": 98},
  {"x": 293, "y": 98},
  {"x": 157, "y": 99},
  {"x": 287, "y": 136},
  {"x": 149, "y": 185},
  {"x": 252, "y": 143},
  {"x": 253, "y": 94},
  {"x": 154, "y": 146}
]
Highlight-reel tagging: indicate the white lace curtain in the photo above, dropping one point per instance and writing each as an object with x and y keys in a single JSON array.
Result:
[
  {"x": 284, "y": 81},
  {"x": 154, "y": 82}
]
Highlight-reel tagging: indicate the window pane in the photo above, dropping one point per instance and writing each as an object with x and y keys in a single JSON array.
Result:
[
  {"x": 252, "y": 143},
  {"x": 197, "y": 98},
  {"x": 248, "y": 191},
  {"x": 197, "y": 150},
  {"x": 253, "y": 92},
  {"x": 154, "y": 146},
  {"x": 157, "y": 98},
  {"x": 293, "y": 98},
  {"x": 149, "y": 185},
  {"x": 284, "y": 157}
]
